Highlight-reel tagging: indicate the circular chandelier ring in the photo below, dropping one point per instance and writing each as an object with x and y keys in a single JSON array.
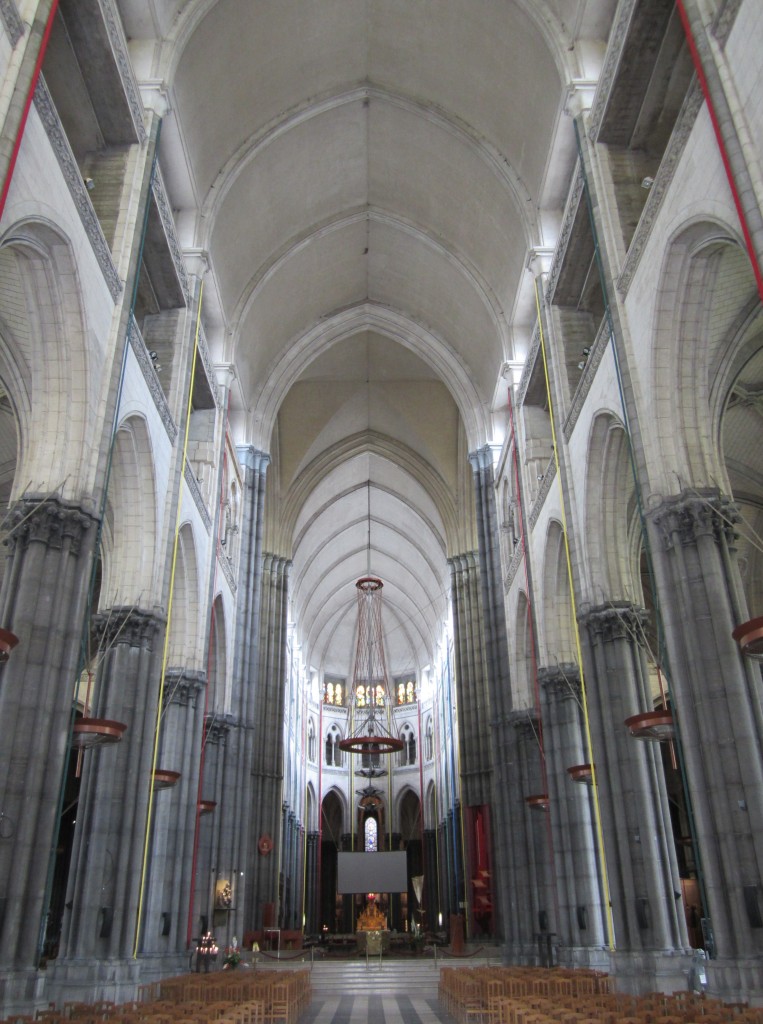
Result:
[
  {"x": 369, "y": 584},
  {"x": 371, "y": 744}
]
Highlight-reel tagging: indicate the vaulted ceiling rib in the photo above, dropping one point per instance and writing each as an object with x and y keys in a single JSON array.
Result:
[{"x": 369, "y": 179}]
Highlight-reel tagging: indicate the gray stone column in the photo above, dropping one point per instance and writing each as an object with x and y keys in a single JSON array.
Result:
[
  {"x": 531, "y": 878},
  {"x": 469, "y": 654},
  {"x": 715, "y": 696},
  {"x": 210, "y": 849},
  {"x": 112, "y": 817},
  {"x": 644, "y": 883},
  {"x": 581, "y": 920},
  {"x": 165, "y": 919},
  {"x": 237, "y": 835},
  {"x": 266, "y": 793},
  {"x": 498, "y": 682},
  {"x": 312, "y": 892},
  {"x": 43, "y": 600}
]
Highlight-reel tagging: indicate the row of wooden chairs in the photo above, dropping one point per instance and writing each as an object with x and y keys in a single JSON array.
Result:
[
  {"x": 224, "y": 997},
  {"x": 511, "y": 995},
  {"x": 465, "y": 984}
]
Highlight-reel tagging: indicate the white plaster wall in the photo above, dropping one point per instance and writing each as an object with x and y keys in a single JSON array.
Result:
[
  {"x": 699, "y": 192},
  {"x": 39, "y": 194},
  {"x": 38, "y": 191}
]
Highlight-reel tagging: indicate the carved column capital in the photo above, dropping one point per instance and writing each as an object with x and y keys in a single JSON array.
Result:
[
  {"x": 252, "y": 458},
  {"x": 560, "y": 682},
  {"x": 621, "y": 621},
  {"x": 47, "y": 521},
  {"x": 525, "y": 722},
  {"x": 686, "y": 517},
  {"x": 216, "y": 730},
  {"x": 131, "y": 626},
  {"x": 182, "y": 686}
]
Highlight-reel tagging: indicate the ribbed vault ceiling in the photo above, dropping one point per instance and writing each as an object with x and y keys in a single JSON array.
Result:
[{"x": 371, "y": 180}]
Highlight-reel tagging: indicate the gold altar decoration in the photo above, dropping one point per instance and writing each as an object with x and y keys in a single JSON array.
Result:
[{"x": 372, "y": 920}]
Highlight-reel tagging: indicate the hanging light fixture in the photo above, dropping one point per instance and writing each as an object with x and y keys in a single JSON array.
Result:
[
  {"x": 652, "y": 725},
  {"x": 749, "y": 636},
  {"x": 90, "y": 732},
  {"x": 8, "y": 641},
  {"x": 164, "y": 778},
  {"x": 582, "y": 773},
  {"x": 94, "y": 732},
  {"x": 370, "y": 698},
  {"x": 538, "y": 802}
]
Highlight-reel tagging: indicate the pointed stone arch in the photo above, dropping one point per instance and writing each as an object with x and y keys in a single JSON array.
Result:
[
  {"x": 430, "y": 805},
  {"x": 523, "y": 669},
  {"x": 558, "y": 628},
  {"x": 218, "y": 683},
  {"x": 613, "y": 536},
  {"x": 408, "y": 814},
  {"x": 46, "y": 369},
  {"x": 129, "y": 538},
  {"x": 334, "y": 816},
  {"x": 708, "y": 292},
  {"x": 311, "y": 809},
  {"x": 186, "y": 629}
]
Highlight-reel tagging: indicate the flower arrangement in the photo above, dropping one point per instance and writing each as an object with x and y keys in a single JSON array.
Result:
[{"x": 232, "y": 958}]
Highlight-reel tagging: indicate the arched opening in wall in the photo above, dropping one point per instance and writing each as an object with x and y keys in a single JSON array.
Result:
[
  {"x": 312, "y": 742},
  {"x": 431, "y": 807},
  {"x": 335, "y": 913},
  {"x": 311, "y": 810},
  {"x": 8, "y": 457},
  {"x": 407, "y": 755},
  {"x": 186, "y": 630},
  {"x": 741, "y": 443},
  {"x": 333, "y": 754},
  {"x": 216, "y": 701},
  {"x": 63, "y": 856},
  {"x": 523, "y": 675},
  {"x": 557, "y": 603},
  {"x": 411, "y": 827}
]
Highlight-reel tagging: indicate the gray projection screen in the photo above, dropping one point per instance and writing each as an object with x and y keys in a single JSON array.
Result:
[{"x": 372, "y": 872}]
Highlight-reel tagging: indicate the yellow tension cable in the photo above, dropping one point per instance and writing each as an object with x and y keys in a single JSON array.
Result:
[
  {"x": 578, "y": 651},
  {"x": 165, "y": 651}
]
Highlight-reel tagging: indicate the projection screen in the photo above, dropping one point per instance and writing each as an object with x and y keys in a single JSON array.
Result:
[{"x": 372, "y": 872}]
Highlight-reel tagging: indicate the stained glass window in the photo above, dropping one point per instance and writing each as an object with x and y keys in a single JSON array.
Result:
[
  {"x": 406, "y": 692},
  {"x": 333, "y": 693},
  {"x": 371, "y": 829}
]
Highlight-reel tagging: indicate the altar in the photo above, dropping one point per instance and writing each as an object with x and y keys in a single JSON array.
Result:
[{"x": 372, "y": 932}]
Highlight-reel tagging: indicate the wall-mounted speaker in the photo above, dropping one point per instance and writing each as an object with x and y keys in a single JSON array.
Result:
[
  {"x": 752, "y": 906},
  {"x": 642, "y": 913}
]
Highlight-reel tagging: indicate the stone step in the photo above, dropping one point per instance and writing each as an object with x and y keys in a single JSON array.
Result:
[{"x": 389, "y": 977}]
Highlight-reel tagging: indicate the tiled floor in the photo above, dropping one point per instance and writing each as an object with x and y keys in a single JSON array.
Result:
[{"x": 376, "y": 1009}]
